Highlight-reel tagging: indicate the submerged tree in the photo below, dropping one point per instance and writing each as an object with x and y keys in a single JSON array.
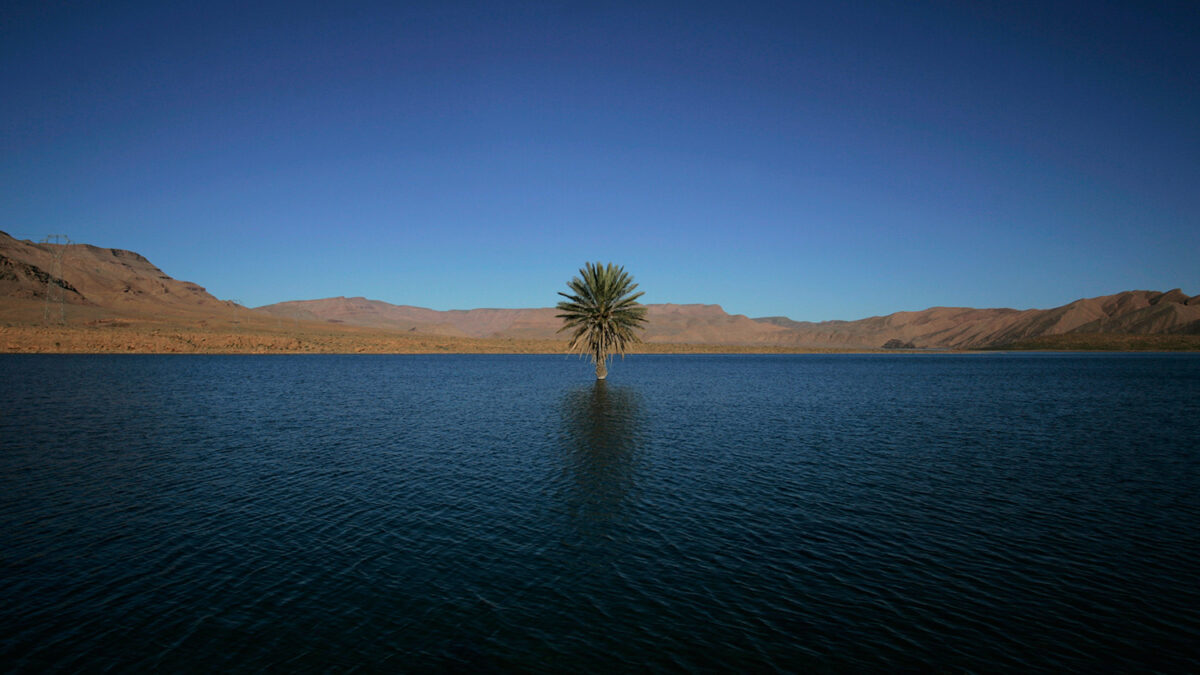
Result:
[{"x": 603, "y": 313}]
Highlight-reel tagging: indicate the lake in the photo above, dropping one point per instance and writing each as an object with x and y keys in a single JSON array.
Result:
[{"x": 508, "y": 513}]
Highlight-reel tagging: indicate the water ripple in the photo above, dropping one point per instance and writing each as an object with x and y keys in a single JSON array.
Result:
[{"x": 705, "y": 514}]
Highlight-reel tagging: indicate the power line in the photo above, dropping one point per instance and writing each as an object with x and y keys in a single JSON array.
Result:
[{"x": 56, "y": 292}]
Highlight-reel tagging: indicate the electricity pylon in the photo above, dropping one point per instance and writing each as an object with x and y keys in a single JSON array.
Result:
[{"x": 56, "y": 293}]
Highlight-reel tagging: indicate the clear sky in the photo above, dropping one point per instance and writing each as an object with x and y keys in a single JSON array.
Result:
[{"x": 826, "y": 160}]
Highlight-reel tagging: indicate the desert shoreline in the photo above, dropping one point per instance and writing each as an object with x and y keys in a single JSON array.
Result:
[
  {"x": 77, "y": 340},
  {"x": 131, "y": 337}
]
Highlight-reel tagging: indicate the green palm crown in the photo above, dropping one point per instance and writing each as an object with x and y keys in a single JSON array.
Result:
[{"x": 603, "y": 312}]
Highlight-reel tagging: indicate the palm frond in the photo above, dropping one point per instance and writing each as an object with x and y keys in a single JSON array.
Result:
[{"x": 601, "y": 311}]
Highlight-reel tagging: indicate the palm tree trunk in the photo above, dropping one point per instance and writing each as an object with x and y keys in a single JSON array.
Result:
[{"x": 601, "y": 367}]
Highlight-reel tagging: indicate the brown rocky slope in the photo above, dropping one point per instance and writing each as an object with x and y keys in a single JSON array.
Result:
[
  {"x": 1127, "y": 313},
  {"x": 121, "y": 302},
  {"x": 109, "y": 281}
]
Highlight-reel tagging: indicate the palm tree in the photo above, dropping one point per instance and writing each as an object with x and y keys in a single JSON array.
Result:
[{"x": 603, "y": 312}]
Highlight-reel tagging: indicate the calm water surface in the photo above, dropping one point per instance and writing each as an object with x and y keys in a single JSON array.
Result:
[{"x": 695, "y": 513}]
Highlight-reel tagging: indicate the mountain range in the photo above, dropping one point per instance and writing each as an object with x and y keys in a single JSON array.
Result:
[
  {"x": 99, "y": 282},
  {"x": 1130, "y": 312}
]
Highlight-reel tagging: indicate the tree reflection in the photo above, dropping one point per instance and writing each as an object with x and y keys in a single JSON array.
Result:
[{"x": 602, "y": 431}]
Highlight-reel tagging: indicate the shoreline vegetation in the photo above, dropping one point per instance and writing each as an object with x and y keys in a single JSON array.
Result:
[{"x": 145, "y": 336}]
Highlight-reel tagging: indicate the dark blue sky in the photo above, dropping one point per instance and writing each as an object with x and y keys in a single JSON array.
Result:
[{"x": 819, "y": 161}]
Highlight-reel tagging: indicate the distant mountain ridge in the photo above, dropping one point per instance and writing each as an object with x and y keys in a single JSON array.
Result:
[
  {"x": 115, "y": 282},
  {"x": 666, "y": 322},
  {"x": 1129, "y": 312}
]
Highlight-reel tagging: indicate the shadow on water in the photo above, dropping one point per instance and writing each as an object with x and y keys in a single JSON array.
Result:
[{"x": 602, "y": 425}]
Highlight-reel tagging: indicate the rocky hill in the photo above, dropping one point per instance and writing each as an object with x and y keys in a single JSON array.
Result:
[
  {"x": 667, "y": 323},
  {"x": 99, "y": 279},
  {"x": 1127, "y": 313},
  {"x": 477, "y": 323},
  {"x": 102, "y": 283}
]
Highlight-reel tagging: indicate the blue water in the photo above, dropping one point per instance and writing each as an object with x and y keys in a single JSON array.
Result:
[{"x": 694, "y": 513}]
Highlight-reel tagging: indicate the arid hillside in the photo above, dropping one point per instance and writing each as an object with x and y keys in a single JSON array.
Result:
[
  {"x": 1128, "y": 313},
  {"x": 666, "y": 323},
  {"x": 479, "y": 323},
  {"x": 100, "y": 282},
  {"x": 84, "y": 298}
]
